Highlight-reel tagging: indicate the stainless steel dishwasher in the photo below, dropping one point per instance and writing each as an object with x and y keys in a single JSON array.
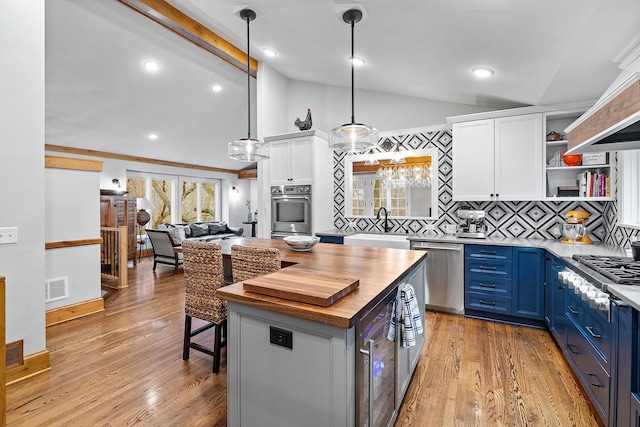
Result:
[{"x": 445, "y": 275}]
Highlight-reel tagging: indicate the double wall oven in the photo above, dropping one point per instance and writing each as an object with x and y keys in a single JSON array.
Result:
[{"x": 290, "y": 210}]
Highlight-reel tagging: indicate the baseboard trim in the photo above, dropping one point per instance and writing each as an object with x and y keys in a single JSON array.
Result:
[
  {"x": 34, "y": 364},
  {"x": 74, "y": 311}
]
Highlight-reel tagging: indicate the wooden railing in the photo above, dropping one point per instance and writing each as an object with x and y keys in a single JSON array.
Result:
[{"x": 113, "y": 256}]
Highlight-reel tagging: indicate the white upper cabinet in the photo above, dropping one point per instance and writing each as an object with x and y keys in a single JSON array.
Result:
[
  {"x": 473, "y": 160},
  {"x": 291, "y": 161},
  {"x": 498, "y": 159}
]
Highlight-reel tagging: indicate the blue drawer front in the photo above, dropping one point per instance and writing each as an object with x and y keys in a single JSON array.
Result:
[
  {"x": 595, "y": 328},
  {"x": 339, "y": 240},
  {"x": 488, "y": 267},
  {"x": 488, "y": 252},
  {"x": 594, "y": 378},
  {"x": 489, "y": 285},
  {"x": 490, "y": 303}
]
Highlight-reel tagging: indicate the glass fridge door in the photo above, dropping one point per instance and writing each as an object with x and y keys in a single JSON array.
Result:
[{"x": 376, "y": 366}]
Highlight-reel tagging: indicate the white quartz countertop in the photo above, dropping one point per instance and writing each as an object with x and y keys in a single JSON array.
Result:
[
  {"x": 629, "y": 294},
  {"x": 554, "y": 246}
]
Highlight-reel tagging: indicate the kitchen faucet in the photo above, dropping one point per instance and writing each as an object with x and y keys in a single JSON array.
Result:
[{"x": 386, "y": 222}]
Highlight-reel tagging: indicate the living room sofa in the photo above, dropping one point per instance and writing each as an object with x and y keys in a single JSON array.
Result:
[{"x": 202, "y": 231}]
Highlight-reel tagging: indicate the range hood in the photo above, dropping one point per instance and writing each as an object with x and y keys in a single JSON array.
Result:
[{"x": 612, "y": 124}]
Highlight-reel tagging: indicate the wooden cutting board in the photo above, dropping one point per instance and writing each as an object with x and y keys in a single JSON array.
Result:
[{"x": 303, "y": 285}]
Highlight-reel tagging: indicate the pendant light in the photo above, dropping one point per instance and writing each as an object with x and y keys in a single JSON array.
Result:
[
  {"x": 353, "y": 137},
  {"x": 248, "y": 149}
]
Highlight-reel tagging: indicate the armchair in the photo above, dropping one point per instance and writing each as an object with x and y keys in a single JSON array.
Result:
[{"x": 163, "y": 253}]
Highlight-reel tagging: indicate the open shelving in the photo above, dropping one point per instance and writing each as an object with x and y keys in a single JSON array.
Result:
[{"x": 567, "y": 176}]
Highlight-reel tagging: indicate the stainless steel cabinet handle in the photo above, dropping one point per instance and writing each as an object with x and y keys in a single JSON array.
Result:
[
  {"x": 369, "y": 352},
  {"x": 592, "y": 375},
  {"x": 482, "y": 267},
  {"x": 572, "y": 310},
  {"x": 487, "y": 252},
  {"x": 419, "y": 245},
  {"x": 489, "y": 285},
  {"x": 572, "y": 348},
  {"x": 592, "y": 333},
  {"x": 487, "y": 302}
]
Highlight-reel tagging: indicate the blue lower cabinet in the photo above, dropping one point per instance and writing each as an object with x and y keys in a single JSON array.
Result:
[
  {"x": 339, "y": 240},
  {"x": 594, "y": 378},
  {"x": 555, "y": 300},
  {"x": 528, "y": 283},
  {"x": 622, "y": 400},
  {"x": 506, "y": 281},
  {"x": 635, "y": 411}
]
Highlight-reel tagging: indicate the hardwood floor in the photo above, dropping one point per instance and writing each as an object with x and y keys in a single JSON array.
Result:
[{"x": 124, "y": 367}]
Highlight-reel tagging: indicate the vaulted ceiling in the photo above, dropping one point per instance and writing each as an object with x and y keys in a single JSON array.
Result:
[{"x": 99, "y": 97}]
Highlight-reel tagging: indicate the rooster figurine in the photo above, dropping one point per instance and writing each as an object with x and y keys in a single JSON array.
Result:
[{"x": 306, "y": 124}]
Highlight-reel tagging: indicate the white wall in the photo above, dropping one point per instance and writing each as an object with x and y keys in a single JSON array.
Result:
[
  {"x": 72, "y": 208},
  {"x": 22, "y": 168},
  {"x": 331, "y": 107}
]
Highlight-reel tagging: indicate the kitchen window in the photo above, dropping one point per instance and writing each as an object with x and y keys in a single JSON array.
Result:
[
  {"x": 629, "y": 186},
  {"x": 368, "y": 195}
]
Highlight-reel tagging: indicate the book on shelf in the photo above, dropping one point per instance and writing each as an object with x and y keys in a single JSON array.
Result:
[{"x": 594, "y": 183}]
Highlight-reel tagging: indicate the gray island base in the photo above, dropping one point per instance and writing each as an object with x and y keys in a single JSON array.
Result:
[{"x": 295, "y": 364}]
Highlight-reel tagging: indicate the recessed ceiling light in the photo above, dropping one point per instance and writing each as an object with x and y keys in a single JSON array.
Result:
[
  {"x": 482, "y": 72},
  {"x": 269, "y": 52},
  {"x": 357, "y": 61},
  {"x": 151, "y": 65},
  {"x": 216, "y": 88},
  {"x": 152, "y": 136}
]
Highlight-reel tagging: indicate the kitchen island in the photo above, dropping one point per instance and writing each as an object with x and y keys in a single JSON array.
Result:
[{"x": 291, "y": 363}]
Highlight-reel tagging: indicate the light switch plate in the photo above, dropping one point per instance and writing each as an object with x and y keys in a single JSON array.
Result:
[{"x": 8, "y": 235}]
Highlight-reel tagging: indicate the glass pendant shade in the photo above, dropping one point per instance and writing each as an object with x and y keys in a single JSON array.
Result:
[
  {"x": 248, "y": 150},
  {"x": 354, "y": 137}
]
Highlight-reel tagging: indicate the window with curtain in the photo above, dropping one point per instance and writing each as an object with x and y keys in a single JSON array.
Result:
[{"x": 629, "y": 187}]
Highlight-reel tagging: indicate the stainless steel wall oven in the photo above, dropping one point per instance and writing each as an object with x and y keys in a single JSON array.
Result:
[{"x": 290, "y": 210}]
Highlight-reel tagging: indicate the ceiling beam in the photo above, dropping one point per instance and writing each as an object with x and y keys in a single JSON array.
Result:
[{"x": 169, "y": 17}]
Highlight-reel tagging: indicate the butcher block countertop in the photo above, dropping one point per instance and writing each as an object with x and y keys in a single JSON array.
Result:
[{"x": 377, "y": 269}]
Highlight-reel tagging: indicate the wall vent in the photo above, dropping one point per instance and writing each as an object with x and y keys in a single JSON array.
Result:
[
  {"x": 15, "y": 354},
  {"x": 56, "y": 289}
]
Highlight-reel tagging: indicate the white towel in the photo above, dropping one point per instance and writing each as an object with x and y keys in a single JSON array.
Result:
[{"x": 409, "y": 314}]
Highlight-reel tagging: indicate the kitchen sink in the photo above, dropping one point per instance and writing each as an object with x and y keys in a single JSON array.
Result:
[{"x": 378, "y": 240}]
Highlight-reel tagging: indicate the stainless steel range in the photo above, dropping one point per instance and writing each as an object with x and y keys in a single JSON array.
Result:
[
  {"x": 620, "y": 270},
  {"x": 591, "y": 274}
]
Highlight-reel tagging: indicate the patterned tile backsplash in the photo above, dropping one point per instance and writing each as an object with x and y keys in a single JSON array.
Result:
[{"x": 533, "y": 219}]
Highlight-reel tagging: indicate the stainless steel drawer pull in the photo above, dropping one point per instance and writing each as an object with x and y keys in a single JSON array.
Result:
[
  {"x": 487, "y": 285},
  {"x": 482, "y": 267},
  {"x": 487, "y": 302},
  {"x": 589, "y": 374},
  {"x": 487, "y": 252},
  {"x": 573, "y": 349},
  {"x": 572, "y": 310},
  {"x": 593, "y": 334}
]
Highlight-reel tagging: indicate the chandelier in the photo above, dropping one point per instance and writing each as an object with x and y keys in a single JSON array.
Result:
[{"x": 405, "y": 176}]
